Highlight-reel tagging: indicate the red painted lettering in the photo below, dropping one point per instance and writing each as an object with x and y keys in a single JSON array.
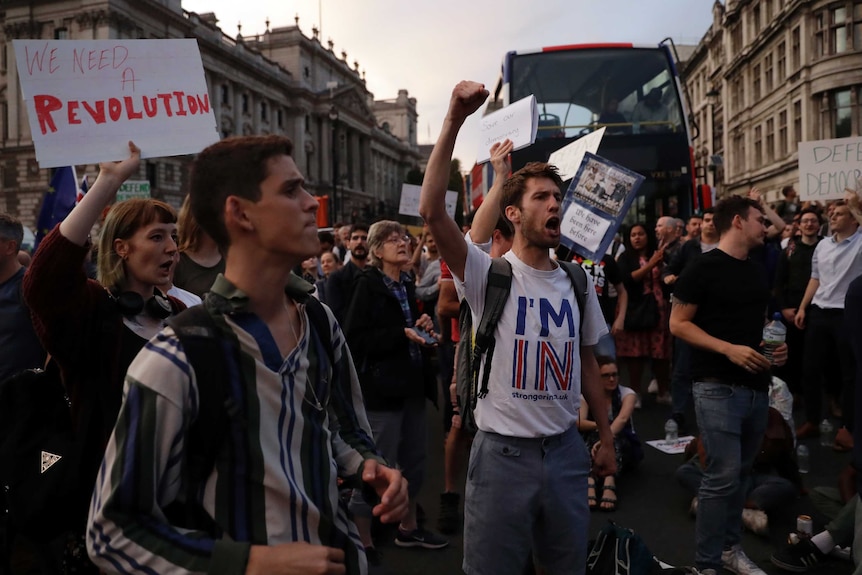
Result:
[
  {"x": 166, "y": 100},
  {"x": 53, "y": 66},
  {"x": 128, "y": 76},
  {"x": 103, "y": 60},
  {"x": 204, "y": 104},
  {"x": 78, "y": 60},
  {"x": 98, "y": 114},
  {"x": 115, "y": 109},
  {"x": 121, "y": 53},
  {"x": 181, "y": 111},
  {"x": 36, "y": 60},
  {"x": 130, "y": 109},
  {"x": 151, "y": 107},
  {"x": 72, "y": 110},
  {"x": 45, "y": 105},
  {"x": 91, "y": 60},
  {"x": 193, "y": 105}
]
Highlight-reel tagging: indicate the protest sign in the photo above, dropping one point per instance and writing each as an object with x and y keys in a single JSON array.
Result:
[
  {"x": 672, "y": 447},
  {"x": 594, "y": 205},
  {"x": 133, "y": 189},
  {"x": 826, "y": 167},
  {"x": 518, "y": 122},
  {"x": 87, "y": 98},
  {"x": 568, "y": 158},
  {"x": 409, "y": 205}
]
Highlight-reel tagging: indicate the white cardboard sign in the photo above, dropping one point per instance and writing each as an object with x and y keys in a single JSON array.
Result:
[
  {"x": 409, "y": 205},
  {"x": 826, "y": 167},
  {"x": 568, "y": 158},
  {"x": 518, "y": 122},
  {"x": 87, "y": 98}
]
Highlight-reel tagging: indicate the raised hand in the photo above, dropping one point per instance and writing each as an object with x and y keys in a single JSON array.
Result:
[
  {"x": 466, "y": 98},
  {"x": 499, "y": 157}
]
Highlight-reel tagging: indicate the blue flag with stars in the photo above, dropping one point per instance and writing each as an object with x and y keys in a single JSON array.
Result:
[{"x": 58, "y": 202}]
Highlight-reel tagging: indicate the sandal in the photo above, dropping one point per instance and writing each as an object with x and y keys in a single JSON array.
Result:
[
  {"x": 592, "y": 500},
  {"x": 608, "y": 504}
]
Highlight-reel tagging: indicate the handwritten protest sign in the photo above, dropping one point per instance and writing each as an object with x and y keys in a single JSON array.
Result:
[
  {"x": 87, "y": 98},
  {"x": 826, "y": 167},
  {"x": 568, "y": 158},
  {"x": 409, "y": 205},
  {"x": 595, "y": 204},
  {"x": 673, "y": 447},
  {"x": 518, "y": 122}
]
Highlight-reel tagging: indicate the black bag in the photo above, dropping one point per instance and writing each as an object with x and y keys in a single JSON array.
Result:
[
  {"x": 620, "y": 551},
  {"x": 642, "y": 313},
  {"x": 41, "y": 455}
]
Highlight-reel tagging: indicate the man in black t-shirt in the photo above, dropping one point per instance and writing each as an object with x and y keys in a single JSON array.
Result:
[{"x": 719, "y": 309}]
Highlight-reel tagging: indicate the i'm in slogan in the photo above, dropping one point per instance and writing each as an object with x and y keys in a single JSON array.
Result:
[{"x": 553, "y": 365}]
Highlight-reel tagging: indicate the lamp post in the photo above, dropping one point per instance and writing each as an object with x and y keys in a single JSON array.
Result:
[
  {"x": 333, "y": 120},
  {"x": 712, "y": 96}
]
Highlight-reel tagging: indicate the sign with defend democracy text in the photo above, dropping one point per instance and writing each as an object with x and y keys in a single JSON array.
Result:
[
  {"x": 87, "y": 98},
  {"x": 826, "y": 167}
]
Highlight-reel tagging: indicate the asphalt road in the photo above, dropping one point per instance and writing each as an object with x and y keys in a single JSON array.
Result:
[{"x": 650, "y": 501}]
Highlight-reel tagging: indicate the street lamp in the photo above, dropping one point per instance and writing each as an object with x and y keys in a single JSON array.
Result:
[{"x": 333, "y": 119}]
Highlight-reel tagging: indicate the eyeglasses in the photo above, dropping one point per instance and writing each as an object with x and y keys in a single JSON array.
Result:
[
  {"x": 398, "y": 240},
  {"x": 614, "y": 374}
]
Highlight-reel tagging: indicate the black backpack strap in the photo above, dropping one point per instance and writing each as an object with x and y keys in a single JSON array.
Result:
[
  {"x": 202, "y": 341},
  {"x": 496, "y": 296},
  {"x": 580, "y": 285},
  {"x": 319, "y": 323}
]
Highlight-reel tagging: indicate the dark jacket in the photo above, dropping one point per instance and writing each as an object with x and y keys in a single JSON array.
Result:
[
  {"x": 339, "y": 290},
  {"x": 374, "y": 327}
]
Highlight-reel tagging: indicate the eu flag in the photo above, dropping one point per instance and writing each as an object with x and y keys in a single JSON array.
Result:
[{"x": 58, "y": 202}]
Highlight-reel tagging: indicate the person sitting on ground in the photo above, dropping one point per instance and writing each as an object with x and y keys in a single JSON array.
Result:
[
  {"x": 627, "y": 445},
  {"x": 775, "y": 479}
]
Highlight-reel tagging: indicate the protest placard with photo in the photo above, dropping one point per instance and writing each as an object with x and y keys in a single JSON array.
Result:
[
  {"x": 87, "y": 98},
  {"x": 595, "y": 203}
]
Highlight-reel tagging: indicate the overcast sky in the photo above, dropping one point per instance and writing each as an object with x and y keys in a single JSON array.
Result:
[{"x": 427, "y": 47}]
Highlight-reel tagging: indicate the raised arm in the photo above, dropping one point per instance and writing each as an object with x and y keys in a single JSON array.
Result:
[
  {"x": 488, "y": 213},
  {"x": 776, "y": 222},
  {"x": 77, "y": 225},
  {"x": 466, "y": 98}
]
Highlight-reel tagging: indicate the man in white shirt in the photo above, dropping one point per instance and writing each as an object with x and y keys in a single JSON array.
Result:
[
  {"x": 836, "y": 262},
  {"x": 528, "y": 498}
]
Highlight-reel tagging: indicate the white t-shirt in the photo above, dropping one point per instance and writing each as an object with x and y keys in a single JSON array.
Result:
[{"x": 535, "y": 378}]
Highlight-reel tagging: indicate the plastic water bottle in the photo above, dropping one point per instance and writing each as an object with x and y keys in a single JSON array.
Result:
[
  {"x": 826, "y": 430},
  {"x": 803, "y": 462},
  {"x": 671, "y": 430},
  {"x": 774, "y": 334}
]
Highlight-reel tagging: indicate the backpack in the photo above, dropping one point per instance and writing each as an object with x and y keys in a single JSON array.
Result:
[
  {"x": 472, "y": 346},
  {"x": 214, "y": 354},
  {"x": 620, "y": 551},
  {"x": 41, "y": 453}
]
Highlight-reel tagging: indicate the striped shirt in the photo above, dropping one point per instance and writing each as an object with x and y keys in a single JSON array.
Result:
[{"x": 275, "y": 478}]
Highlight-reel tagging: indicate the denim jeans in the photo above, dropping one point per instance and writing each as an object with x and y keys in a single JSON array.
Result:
[{"x": 732, "y": 421}]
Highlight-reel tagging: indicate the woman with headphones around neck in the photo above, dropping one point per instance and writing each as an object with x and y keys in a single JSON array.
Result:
[{"x": 93, "y": 330}]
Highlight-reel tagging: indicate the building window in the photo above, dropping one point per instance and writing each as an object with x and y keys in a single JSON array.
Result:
[
  {"x": 245, "y": 101},
  {"x": 857, "y": 26},
  {"x": 225, "y": 94},
  {"x": 758, "y": 146},
  {"x": 306, "y": 71},
  {"x": 307, "y": 124},
  {"x": 736, "y": 38},
  {"x": 736, "y": 92},
  {"x": 61, "y": 34},
  {"x": 782, "y": 62},
  {"x": 755, "y": 19},
  {"x": 795, "y": 61},
  {"x": 264, "y": 114},
  {"x": 755, "y": 84},
  {"x": 770, "y": 140},
  {"x": 280, "y": 118},
  {"x": 767, "y": 10},
  {"x": 782, "y": 134},
  {"x": 841, "y": 114},
  {"x": 153, "y": 174},
  {"x": 831, "y": 31},
  {"x": 797, "y": 121},
  {"x": 767, "y": 73},
  {"x": 838, "y": 30},
  {"x": 739, "y": 151}
]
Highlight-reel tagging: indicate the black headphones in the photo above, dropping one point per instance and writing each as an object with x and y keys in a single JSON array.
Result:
[{"x": 131, "y": 304}]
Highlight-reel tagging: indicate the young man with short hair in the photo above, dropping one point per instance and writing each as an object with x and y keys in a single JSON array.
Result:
[
  {"x": 719, "y": 309},
  {"x": 528, "y": 498},
  {"x": 339, "y": 284},
  {"x": 296, "y": 420}
]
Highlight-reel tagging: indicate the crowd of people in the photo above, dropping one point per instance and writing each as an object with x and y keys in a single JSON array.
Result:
[{"x": 320, "y": 434}]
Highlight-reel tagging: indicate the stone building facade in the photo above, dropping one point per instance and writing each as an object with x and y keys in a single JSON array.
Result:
[
  {"x": 277, "y": 82},
  {"x": 767, "y": 75}
]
